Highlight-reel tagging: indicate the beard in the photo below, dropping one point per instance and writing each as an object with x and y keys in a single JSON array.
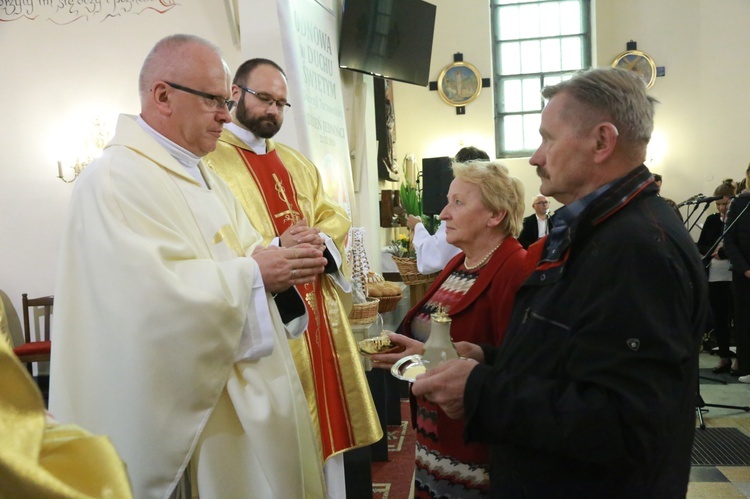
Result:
[{"x": 264, "y": 127}]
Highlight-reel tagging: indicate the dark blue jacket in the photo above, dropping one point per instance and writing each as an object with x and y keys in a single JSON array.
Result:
[{"x": 593, "y": 392}]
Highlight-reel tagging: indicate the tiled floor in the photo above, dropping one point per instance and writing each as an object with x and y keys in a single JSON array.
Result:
[{"x": 722, "y": 481}]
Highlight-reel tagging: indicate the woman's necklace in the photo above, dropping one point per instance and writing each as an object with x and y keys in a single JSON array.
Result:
[{"x": 483, "y": 261}]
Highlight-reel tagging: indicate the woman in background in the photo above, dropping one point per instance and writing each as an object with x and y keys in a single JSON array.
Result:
[
  {"x": 719, "y": 274},
  {"x": 477, "y": 288}
]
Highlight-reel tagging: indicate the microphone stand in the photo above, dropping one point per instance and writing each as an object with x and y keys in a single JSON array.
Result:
[
  {"x": 690, "y": 214},
  {"x": 700, "y": 403}
]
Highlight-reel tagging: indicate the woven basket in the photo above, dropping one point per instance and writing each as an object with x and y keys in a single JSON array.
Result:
[
  {"x": 387, "y": 303},
  {"x": 364, "y": 313},
  {"x": 407, "y": 267}
]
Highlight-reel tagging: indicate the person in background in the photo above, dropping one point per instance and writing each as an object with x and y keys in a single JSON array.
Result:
[
  {"x": 719, "y": 274},
  {"x": 167, "y": 337},
  {"x": 282, "y": 193},
  {"x": 658, "y": 181},
  {"x": 742, "y": 185},
  {"x": 483, "y": 214},
  {"x": 433, "y": 251},
  {"x": 737, "y": 249},
  {"x": 593, "y": 391},
  {"x": 537, "y": 225}
]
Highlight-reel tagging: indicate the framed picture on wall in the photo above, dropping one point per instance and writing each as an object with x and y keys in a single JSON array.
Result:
[{"x": 459, "y": 83}]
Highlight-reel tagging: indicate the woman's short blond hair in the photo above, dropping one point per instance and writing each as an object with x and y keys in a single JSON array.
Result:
[{"x": 500, "y": 191}]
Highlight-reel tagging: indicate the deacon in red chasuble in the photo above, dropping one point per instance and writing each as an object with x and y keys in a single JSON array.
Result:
[{"x": 282, "y": 193}]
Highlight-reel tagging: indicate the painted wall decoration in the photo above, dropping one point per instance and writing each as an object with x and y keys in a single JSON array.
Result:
[{"x": 69, "y": 11}]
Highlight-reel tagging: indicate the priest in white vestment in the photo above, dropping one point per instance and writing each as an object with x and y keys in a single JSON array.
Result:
[{"x": 168, "y": 337}]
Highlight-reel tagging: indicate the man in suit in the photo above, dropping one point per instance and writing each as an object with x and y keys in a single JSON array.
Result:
[{"x": 537, "y": 225}]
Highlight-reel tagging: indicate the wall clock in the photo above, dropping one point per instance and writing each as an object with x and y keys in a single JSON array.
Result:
[{"x": 640, "y": 62}]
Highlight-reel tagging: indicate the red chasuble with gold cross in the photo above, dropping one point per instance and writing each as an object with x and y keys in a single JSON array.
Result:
[{"x": 280, "y": 198}]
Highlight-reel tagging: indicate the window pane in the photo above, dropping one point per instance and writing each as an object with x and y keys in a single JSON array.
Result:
[
  {"x": 572, "y": 53},
  {"x": 536, "y": 43},
  {"x": 509, "y": 20},
  {"x": 511, "y": 58},
  {"x": 570, "y": 18},
  {"x": 507, "y": 2},
  {"x": 528, "y": 21},
  {"x": 530, "y": 57},
  {"x": 512, "y": 100},
  {"x": 513, "y": 128},
  {"x": 551, "y": 80},
  {"x": 549, "y": 19},
  {"x": 532, "y": 97},
  {"x": 531, "y": 123},
  {"x": 551, "y": 58}
]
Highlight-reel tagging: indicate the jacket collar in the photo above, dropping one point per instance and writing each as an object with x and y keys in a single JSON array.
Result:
[{"x": 639, "y": 182}]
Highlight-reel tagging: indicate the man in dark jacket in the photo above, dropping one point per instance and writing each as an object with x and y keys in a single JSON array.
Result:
[
  {"x": 593, "y": 392},
  {"x": 538, "y": 224}
]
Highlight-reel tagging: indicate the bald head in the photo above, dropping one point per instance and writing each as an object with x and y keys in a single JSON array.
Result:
[
  {"x": 540, "y": 205},
  {"x": 184, "y": 85},
  {"x": 171, "y": 59}
]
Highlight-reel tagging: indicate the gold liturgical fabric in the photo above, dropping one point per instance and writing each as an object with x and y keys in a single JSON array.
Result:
[
  {"x": 40, "y": 458},
  {"x": 346, "y": 381}
]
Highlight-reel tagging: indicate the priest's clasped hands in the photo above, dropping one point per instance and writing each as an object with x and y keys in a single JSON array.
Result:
[
  {"x": 301, "y": 233},
  {"x": 282, "y": 268}
]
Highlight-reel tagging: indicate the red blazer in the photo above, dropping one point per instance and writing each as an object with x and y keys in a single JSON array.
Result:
[{"x": 481, "y": 316}]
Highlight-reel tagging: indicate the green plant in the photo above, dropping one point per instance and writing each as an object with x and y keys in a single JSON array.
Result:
[
  {"x": 401, "y": 247},
  {"x": 411, "y": 200},
  {"x": 431, "y": 223}
]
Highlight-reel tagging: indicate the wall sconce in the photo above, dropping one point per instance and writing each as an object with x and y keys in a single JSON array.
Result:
[{"x": 93, "y": 146}]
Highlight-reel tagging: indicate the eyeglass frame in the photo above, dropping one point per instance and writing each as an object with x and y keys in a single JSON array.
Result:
[
  {"x": 540, "y": 202},
  {"x": 266, "y": 99},
  {"x": 220, "y": 101}
]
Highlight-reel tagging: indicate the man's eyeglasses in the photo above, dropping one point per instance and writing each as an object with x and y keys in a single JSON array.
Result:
[
  {"x": 541, "y": 202},
  {"x": 266, "y": 99},
  {"x": 218, "y": 101}
]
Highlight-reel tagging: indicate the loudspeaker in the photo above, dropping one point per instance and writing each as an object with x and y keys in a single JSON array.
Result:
[{"x": 436, "y": 179}]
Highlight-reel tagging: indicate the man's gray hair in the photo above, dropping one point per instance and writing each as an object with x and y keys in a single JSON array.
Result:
[{"x": 611, "y": 94}]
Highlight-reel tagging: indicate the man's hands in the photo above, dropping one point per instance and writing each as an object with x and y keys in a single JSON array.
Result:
[
  {"x": 282, "y": 268},
  {"x": 445, "y": 385},
  {"x": 469, "y": 351},
  {"x": 301, "y": 233}
]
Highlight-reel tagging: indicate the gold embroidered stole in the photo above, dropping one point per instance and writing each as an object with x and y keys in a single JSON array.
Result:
[{"x": 280, "y": 198}]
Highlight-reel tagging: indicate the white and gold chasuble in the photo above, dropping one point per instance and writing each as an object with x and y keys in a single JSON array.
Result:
[
  {"x": 326, "y": 358},
  {"x": 153, "y": 314}
]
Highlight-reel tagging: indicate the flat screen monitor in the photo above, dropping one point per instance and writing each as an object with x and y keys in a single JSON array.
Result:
[{"x": 388, "y": 38}]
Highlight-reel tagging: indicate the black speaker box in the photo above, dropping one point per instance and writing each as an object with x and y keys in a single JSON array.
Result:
[{"x": 436, "y": 179}]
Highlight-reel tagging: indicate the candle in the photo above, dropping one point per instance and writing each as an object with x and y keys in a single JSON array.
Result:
[
  {"x": 59, "y": 169},
  {"x": 410, "y": 175}
]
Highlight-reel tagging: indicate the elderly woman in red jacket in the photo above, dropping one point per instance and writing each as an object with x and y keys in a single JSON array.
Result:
[{"x": 483, "y": 215}]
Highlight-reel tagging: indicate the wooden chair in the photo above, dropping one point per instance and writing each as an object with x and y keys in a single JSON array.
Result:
[{"x": 37, "y": 349}]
